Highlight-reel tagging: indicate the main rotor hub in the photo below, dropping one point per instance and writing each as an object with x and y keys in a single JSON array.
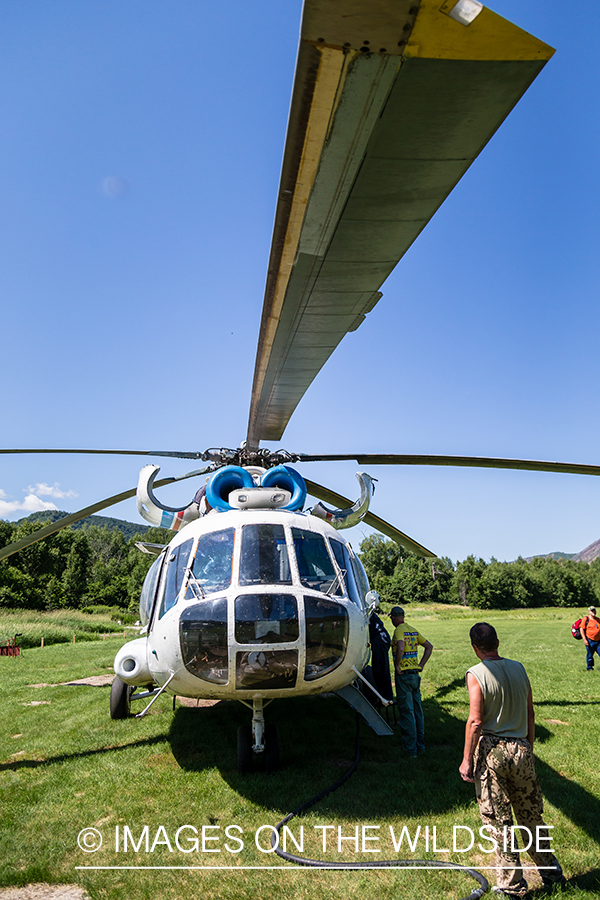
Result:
[{"x": 243, "y": 456}]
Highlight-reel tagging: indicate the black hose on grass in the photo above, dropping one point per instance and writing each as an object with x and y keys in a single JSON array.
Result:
[{"x": 475, "y": 894}]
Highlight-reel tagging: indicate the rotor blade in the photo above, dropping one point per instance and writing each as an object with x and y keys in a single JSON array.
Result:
[
  {"x": 477, "y": 462},
  {"x": 53, "y": 527},
  {"x": 329, "y": 496},
  {"x": 178, "y": 454},
  {"x": 381, "y": 129}
]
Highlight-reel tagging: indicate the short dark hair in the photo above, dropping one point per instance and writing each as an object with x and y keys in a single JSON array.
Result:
[{"x": 484, "y": 636}]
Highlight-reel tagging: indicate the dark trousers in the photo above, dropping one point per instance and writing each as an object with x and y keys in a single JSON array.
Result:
[
  {"x": 592, "y": 647},
  {"x": 410, "y": 709}
]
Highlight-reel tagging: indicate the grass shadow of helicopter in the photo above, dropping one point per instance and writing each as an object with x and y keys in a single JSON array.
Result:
[
  {"x": 317, "y": 736},
  {"x": 318, "y": 744}
]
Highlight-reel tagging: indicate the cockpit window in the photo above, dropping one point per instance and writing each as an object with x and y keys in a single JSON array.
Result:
[
  {"x": 314, "y": 563},
  {"x": 264, "y": 558},
  {"x": 326, "y": 636},
  {"x": 266, "y": 618},
  {"x": 177, "y": 561},
  {"x": 342, "y": 556},
  {"x": 361, "y": 576},
  {"x": 266, "y": 669},
  {"x": 149, "y": 590},
  {"x": 203, "y": 630},
  {"x": 211, "y": 569}
]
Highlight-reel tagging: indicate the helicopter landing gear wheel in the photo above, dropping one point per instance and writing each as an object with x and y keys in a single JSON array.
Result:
[
  {"x": 244, "y": 749},
  {"x": 120, "y": 694},
  {"x": 271, "y": 751}
]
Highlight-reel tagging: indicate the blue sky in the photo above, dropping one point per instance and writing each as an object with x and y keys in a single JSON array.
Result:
[{"x": 140, "y": 162}]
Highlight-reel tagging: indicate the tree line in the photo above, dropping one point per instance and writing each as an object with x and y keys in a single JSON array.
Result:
[
  {"x": 99, "y": 566},
  {"x": 402, "y": 577},
  {"x": 75, "y": 568}
]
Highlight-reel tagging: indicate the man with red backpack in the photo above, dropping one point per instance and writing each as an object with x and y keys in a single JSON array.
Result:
[{"x": 590, "y": 632}]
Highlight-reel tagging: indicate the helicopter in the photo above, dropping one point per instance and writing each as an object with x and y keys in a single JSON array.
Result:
[
  {"x": 392, "y": 102},
  {"x": 253, "y": 600}
]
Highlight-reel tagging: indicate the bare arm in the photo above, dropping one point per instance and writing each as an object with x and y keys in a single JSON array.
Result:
[
  {"x": 398, "y": 656},
  {"x": 582, "y": 631},
  {"x": 530, "y": 718},
  {"x": 428, "y": 647},
  {"x": 473, "y": 727}
]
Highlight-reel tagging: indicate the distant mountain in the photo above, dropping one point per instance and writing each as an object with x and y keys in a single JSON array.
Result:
[
  {"x": 589, "y": 553},
  {"x": 47, "y": 516},
  {"x": 556, "y": 555}
]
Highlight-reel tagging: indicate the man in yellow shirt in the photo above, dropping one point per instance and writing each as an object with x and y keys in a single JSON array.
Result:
[{"x": 405, "y": 642}]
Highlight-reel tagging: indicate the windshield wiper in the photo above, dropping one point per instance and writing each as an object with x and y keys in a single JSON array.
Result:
[
  {"x": 336, "y": 581},
  {"x": 197, "y": 589}
]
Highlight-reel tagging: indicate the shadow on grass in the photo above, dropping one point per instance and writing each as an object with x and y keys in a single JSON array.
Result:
[
  {"x": 588, "y": 881},
  {"x": 446, "y": 689},
  {"x": 317, "y": 738},
  {"x": 565, "y": 703},
  {"x": 18, "y": 764},
  {"x": 577, "y": 804}
]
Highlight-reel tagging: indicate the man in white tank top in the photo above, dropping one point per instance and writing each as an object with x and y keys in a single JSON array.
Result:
[{"x": 498, "y": 758}]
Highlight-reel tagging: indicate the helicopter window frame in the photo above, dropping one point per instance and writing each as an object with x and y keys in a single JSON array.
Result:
[
  {"x": 299, "y": 536},
  {"x": 215, "y": 587},
  {"x": 260, "y": 669},
  {"x": 320, "y": 614},
  {"x": 204, "y": 627},
  {"x": 251, "y": 546},
  {"x": 160, "y": 591},
  {"x": 361, "y": 577},
  {"x": 150, "y": 588},
  {"x": 282, "y": 628},
  {"x": 347, "y": 571},
  {"x": 177, "y": 563}
]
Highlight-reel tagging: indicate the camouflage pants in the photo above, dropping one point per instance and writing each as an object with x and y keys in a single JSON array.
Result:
[{"x": 504, "y": 773}]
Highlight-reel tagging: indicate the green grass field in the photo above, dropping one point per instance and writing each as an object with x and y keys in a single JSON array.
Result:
[
  {"x": 56, "y": 627},
  {"x": 65, "y": 766}
]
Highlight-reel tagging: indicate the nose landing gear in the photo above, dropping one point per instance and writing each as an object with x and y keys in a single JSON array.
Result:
[{"x": 258, "y": 743}]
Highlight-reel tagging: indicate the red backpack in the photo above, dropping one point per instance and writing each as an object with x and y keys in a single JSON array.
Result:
[{"x": 575, "y": 629}]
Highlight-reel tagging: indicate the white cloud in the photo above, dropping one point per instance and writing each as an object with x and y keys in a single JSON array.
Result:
[
  {"x": 32, "y": 501},
  {"x": 7, "y": 507},
  {"x": 46, "y": 490},
  {"x": 30, "y": 504}
]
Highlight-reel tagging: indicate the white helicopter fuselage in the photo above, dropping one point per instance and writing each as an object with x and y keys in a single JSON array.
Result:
[{"x": 248, "y": 604}]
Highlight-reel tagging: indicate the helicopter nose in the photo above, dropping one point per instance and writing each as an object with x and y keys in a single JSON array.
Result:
[{"x": 269, "y": 639}]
